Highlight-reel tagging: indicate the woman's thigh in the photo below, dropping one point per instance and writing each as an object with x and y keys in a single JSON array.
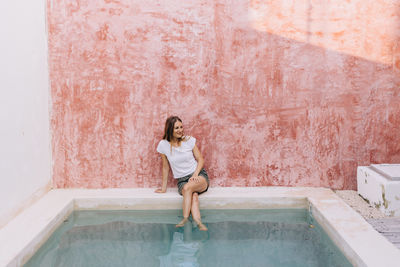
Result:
[{"x": 199, "y": 186}]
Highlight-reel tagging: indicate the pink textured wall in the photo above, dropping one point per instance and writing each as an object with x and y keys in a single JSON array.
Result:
[{"x": 294, "y": 93}]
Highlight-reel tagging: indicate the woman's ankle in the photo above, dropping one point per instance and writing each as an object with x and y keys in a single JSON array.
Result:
[{"x": 182, "y": 222}]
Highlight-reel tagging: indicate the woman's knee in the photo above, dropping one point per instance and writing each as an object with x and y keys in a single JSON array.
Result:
[{"x": 187, "y": 188}]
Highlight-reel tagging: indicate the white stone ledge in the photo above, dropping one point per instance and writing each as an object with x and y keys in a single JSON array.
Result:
[{"x": 350, "y": 232}]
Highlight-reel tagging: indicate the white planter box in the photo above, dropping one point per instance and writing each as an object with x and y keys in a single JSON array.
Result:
[{"x": 380, "y": 185}]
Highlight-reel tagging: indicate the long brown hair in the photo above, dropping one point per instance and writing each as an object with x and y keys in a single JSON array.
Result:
[{"x": 169, "y": 127}]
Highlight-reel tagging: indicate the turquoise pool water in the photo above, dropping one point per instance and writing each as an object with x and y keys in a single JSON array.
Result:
[{"x": 149, "y": 238}]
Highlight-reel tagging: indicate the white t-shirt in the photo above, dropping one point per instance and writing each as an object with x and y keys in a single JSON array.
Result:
[{"x": 181, "y": 159}]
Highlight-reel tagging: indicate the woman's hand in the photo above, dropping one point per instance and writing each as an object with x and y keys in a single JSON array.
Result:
[
  {"x": 195, "y": 179},
  {"x": 159, "y": 190}
]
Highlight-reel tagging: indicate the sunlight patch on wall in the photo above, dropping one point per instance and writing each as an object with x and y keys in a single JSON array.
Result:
[{"x": 366, "y": 29}]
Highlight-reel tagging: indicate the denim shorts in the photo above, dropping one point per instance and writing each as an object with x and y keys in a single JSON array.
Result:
[{"x": 184, "y": 180}]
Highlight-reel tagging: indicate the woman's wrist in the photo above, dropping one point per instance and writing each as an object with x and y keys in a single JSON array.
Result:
[{"x": 197, "y": 172}]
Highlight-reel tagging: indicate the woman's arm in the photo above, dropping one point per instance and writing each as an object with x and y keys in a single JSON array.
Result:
[
  {"x": 200, "y": 161},
  {"x": 165, "y": 171}
]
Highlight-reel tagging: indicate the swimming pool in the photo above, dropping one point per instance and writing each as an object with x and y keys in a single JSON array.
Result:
[
  {"x": 251, "y": 237},
  {"x": 353, "y": 236}
]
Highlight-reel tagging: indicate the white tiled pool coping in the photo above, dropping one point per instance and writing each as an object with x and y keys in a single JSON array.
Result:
[{"x": 361, "y": 244}]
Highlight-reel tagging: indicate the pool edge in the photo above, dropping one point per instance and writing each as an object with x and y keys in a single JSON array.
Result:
[{"x": 348, "y": 230}]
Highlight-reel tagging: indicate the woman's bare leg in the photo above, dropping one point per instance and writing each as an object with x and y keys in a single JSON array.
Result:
[
  {"x": 196, "y": 212},
  {"x": 187, "y": 192},
  {"x": 195, "y": 207}
]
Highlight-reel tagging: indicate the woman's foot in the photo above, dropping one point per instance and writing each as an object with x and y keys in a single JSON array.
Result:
[
  {"x": 182, "y": 223},
  {"x": 201, "y": 226}
]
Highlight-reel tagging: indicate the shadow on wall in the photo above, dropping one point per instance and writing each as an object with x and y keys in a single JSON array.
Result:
[{"x": 293, "y": 94}]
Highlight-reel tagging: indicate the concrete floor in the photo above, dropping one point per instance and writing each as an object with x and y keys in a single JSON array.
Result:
[{"x": 389, "y": 227}]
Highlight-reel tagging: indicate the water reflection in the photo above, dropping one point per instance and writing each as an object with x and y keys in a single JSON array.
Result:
[
  {"x": 133, "y": 242},
  {"x": 184, "y": 248},
  {"x": 126, "y": 244}
]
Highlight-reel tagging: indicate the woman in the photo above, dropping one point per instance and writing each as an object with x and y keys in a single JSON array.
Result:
[{"x": 181, "y": 153}]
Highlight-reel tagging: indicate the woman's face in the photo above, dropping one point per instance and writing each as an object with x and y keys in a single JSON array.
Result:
[{"x": 178, "y": 130}]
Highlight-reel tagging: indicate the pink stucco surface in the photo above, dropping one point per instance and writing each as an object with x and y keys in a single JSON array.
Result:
[{"x": 293, "y": 93}]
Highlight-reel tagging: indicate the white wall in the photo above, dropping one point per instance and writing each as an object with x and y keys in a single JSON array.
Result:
[{"x": 25, "y": 157}]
